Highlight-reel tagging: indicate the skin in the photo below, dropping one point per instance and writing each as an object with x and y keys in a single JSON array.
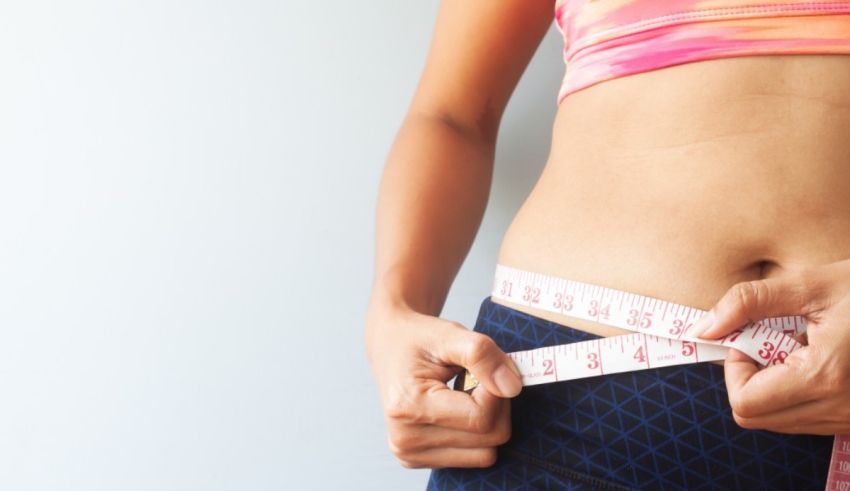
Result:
[
  {"x": 810, "y": 392},
  {"x": 696, "y": 183}
]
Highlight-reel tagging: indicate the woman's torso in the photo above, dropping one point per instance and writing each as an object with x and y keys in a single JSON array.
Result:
[{"x": 679, "y": 182}]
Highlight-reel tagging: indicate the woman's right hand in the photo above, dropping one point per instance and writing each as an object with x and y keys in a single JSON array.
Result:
[{"x": 413, "y": 355}]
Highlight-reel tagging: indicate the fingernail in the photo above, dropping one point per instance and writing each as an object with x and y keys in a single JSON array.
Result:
[
  {"x": 702, "y": 324},
  {"x": 508, "y": 380}
]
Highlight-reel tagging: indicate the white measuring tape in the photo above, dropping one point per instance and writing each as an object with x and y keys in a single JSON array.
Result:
[{"x": 661, "y": 338}]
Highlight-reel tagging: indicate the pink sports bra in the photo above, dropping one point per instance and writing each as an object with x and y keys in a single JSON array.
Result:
[{"x": 605, "y": 39}]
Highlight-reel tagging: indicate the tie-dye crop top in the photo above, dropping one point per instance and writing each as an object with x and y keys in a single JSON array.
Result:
[{"x": 605, "y": 39}]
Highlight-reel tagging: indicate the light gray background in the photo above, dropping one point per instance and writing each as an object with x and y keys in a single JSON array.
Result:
[{"x": 187, "y": 194}]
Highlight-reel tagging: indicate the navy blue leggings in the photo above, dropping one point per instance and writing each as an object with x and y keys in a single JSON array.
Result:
[{"x": 664, "y": 428}]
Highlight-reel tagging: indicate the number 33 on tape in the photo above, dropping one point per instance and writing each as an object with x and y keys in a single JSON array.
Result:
[{"x": 660, "y": 339}]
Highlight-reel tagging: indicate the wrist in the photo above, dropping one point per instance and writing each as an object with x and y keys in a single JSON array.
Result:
[{"x": 406, "y": 296}]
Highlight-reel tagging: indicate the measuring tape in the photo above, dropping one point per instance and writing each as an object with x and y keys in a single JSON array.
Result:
[{"x": 661, "y": 338}]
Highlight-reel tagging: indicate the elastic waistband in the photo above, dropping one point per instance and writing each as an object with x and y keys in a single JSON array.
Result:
[{"x": 517, "y": 330}]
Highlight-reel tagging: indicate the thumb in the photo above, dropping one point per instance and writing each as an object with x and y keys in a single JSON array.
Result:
[
  {"x": 752, "y": 301},
  {"x": 480, "y": 355}
]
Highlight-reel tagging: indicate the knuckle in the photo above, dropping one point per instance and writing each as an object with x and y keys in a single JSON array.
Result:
[
  {"x": 478, "y": 347},
  {"x": 401, "y": 442},
  {"x": 407, "y": 463},
  {"x": 405, "y": 458},
  {"x": 402, "y": 407},
  {"x": 807, "y": 290},
  {"x": 740, "y": 409},
  {"x": 748, "y": 294},
  {"x": 487, "y": 458},
  {"x": 804, "y": 279},
  {"x": 502, "y": 435},
  {"x": 481, "y": 421},
  {"x": 477, "y": 423},
  {"x": 743, "y": 422},
  {"x": 827, "y": 386},
  {"x": 825, "y": 376},
  {"x": 832, "y": 383},
  {"x": 841, "y": 383},
  {"x": 397, "y": 409},
  {"x": 812, "y": 279}
]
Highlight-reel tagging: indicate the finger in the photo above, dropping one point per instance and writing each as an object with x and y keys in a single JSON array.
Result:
[
  {"x": 441, "y": 406},
  {"x": 751, "y": 301},
  {"x": 448, "y": 457},
  {"x": 814, "y": 429},
  {"x": 814, "y": 414},
  {"x": 754, "y": 392},
  {"x": 415, "y": 437},
  {"x": 480, "y": 355}
]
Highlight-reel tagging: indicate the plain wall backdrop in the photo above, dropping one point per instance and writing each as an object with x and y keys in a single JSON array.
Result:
[{"x": 187, "y": 193}]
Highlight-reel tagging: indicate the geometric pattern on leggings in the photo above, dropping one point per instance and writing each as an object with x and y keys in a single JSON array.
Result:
[{"x": 663, "y": 428}]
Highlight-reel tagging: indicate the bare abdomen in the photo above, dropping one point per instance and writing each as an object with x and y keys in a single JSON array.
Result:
[{"x": 680, "y": 182}]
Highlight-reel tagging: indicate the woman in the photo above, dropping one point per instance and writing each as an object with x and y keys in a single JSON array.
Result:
[{"x": 701, "y": 155}]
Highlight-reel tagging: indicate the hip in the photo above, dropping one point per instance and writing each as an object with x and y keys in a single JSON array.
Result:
[{"x": 664, "y": 428}]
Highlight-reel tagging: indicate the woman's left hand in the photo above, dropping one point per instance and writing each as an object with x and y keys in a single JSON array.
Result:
[{"x": 810, "y": 392}]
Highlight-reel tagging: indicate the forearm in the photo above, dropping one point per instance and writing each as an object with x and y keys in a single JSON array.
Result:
[{"x": 432, "y": 197}]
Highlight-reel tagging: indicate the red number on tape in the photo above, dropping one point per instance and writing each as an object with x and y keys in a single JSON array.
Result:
[
  {"x": 548, "y": 367},
  {"x": 767, "y": 352},
  {"x": 532, "y": 294},
  {"x": 506, "y": 288},
  {"x": 563, "y": 302},
  {"x": 780, "y": 358},
  {"x": 639, "y": 355},
  {"x": 594, "y": 361}
]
